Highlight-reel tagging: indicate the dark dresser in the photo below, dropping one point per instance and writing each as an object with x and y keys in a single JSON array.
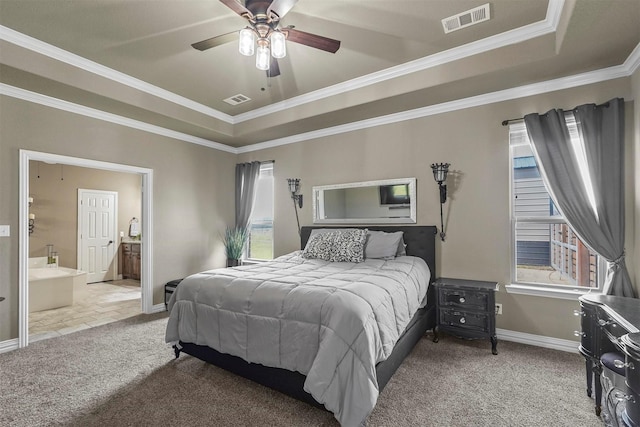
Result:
[
  {"x": 466, "y": 309},
  {"x": 611, "y": 324}
]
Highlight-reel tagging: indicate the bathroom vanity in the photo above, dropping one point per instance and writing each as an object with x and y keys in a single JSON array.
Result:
[{"x": 130, "y": 251}]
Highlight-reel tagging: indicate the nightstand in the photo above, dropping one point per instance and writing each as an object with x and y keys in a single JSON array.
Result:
[
  {"x": 169, "y": 289},
  {"x": 466, "y": 309}
]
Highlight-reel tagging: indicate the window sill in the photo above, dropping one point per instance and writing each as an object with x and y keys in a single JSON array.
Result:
[{"x": 570, "y": 294}]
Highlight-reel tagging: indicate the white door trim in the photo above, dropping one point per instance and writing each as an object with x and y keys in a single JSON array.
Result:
[
  {"x": 114, "y": 231},
  {"x": 146, "y": 279}
]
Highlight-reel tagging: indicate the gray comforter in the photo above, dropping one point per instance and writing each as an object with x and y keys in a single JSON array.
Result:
[{"x": 329, "y": 321}]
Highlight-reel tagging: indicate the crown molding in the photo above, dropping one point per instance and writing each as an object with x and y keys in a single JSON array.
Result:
[
  {"x": 591, "y": 77},
  {"x": 548, "y": 25},
  {"x": 554, "y": 10},
  {"x": 518, "y": 35},
  {"x": 632, "y": 63},
  {"x": 46, "y": 49},
  {"x": 59, "y": 104}
]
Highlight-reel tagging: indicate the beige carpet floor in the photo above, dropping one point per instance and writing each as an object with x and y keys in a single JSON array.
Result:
[{"x": 123, "y": 374}]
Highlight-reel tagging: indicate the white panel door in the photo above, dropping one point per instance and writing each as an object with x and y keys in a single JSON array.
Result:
[{"x": 97, "y": 234}]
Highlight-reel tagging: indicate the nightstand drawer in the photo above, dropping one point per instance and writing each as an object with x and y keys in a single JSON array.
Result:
[
  {"x": 464, "y": 320},
  {"x": 464, "y": 299}
]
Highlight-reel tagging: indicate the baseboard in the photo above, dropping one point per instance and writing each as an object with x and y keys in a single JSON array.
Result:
[
  {"x": 538, "y": 340},
  {"x": 158, "y": 308},
  {"x": 9, "y": 345},
  {"x": 503, "y": 334}
]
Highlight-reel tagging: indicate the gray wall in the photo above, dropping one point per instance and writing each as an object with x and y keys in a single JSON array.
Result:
[
  {"x": 194, "y": 198},
  {"x": 193, "y": 195},
  {"x": 477, "y": 210}
]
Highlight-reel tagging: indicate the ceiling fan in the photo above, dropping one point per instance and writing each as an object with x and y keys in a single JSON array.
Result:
[{"x": 263, "y": 35}]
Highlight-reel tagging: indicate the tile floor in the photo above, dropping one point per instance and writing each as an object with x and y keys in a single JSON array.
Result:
[{"x": 95, "y": 304}]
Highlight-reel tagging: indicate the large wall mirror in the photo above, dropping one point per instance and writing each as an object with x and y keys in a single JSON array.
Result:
[{"x": 389, "y": 201}]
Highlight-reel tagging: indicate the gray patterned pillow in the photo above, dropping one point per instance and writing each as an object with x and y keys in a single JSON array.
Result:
[{"x": 337, "y": 246}]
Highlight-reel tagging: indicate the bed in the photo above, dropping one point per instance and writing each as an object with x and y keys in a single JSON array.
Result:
[{"x": 293, "y": 371}]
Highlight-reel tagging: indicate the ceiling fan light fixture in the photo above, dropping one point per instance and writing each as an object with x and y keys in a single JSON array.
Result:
[
  {"x": 262, "y": 36},
  {"x": 247, "y": 41},
  {"x": 278, "y": 45},
  {"x": 263, "y": 54}
]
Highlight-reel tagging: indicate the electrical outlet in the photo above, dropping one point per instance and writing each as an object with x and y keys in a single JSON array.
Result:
[{"x": 498, "y": 308}]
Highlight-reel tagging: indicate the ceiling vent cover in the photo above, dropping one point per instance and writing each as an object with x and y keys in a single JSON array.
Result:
[
  {"x": 465, "y": 19},
  {"x": 237, "y": 99}
]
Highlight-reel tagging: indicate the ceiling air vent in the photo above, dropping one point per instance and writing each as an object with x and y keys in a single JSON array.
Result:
[
  {"x": 465, "y": 19},
  {"x": 237, "y": 99}
]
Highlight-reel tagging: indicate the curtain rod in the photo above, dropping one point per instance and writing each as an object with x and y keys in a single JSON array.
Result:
[{"x": 506, "y": 122}]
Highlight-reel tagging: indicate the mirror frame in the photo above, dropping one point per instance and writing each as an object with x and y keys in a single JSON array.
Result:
[{"x": 318, "y": 197}]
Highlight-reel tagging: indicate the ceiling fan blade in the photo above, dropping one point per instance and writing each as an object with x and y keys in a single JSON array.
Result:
[
  {"x": 312, "y": 40},
  {"x": 274, "y": 68},
  {"x": 216, "y": 41},
  {"x": 238, "y": 8},
  {"x": 281, "y": 7}
]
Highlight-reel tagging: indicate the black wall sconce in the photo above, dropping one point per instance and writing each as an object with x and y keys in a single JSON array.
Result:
[
  {"x": 294, "y": 186},
  {"x": 440, "y": 171}
]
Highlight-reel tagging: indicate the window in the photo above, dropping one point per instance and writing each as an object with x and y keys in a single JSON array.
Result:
[
  {"x": 547, "y": 256},
  {"x": 260, "y": 245}
]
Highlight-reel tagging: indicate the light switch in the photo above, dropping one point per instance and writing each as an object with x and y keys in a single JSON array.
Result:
[{"x": 4, "y": 231}]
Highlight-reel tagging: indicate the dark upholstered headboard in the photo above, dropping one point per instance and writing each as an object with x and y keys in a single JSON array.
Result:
[{"x": 420, "y": 240}]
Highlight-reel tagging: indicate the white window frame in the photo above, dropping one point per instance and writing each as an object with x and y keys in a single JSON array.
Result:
[
  {"x": 518, "y": 136},
  {"x": 264, "y": 166}
]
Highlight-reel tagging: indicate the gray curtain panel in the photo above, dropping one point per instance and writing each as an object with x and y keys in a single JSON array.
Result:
[
  {"x": 246, "y": 178},
  {"x": 600, "y": 227}
]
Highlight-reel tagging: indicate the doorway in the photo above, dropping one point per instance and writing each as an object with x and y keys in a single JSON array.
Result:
[{"x": 147, "y": 226}]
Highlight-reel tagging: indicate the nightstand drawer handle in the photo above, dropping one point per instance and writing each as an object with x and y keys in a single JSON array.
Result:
[
  {"x": 462, "y": 300},
  {"x": 462, "y": 320}
]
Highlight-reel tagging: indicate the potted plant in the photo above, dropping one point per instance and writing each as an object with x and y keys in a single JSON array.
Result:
[{"x": 234, "y": 240}]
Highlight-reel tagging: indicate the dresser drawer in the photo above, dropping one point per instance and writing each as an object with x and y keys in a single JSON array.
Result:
[
  {"x": 464, "y": 299},
  {"x": 588, "y": 338},
  {"x": 610, "y": 328},
  {"x": 464, "y": 320}
]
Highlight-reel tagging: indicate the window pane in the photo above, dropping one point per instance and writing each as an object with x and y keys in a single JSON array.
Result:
[
  {"x": 261, "y": 240},
  {"x": 260, "y": 244},
  {"x": 530, "y": 195},
  {"x": 548, "y": 253}
]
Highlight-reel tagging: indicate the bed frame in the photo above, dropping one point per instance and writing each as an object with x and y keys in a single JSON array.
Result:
[{"x": 420, "y": 241}]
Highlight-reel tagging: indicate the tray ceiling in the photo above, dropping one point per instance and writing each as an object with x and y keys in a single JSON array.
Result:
[{"x": 133, "y": 59}]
